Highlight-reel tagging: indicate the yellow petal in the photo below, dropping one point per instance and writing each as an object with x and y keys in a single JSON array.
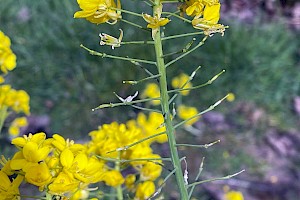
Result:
[
  {"x": 66, "y": 158},
  {"x": 212, "y": 13}
]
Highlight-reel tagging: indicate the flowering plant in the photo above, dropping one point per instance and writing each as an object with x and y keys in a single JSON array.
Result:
[{"x": 120, "y": 155}]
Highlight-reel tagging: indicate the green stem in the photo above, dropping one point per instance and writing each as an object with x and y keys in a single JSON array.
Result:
[
  {"x": 3, "y": 115},
  {"x": 119, "y": 187},
  {"x": 111, "y": 105},
  {"x": 197, "y": 177},
  {"x": 182, "y": 35},
  {"x": 166, "y": 110},
  {"x": 215, "y": 179},
  {"x": 186, "y": 53},
  {"x": 104, "y": 55},
  {"x": 138, "y": 42},
  {"x": 199, "y": 146},
  {"x": 134, "y": 24},
  {"x": 179, "y": 17},
  {"x": 137, "y": 142}
]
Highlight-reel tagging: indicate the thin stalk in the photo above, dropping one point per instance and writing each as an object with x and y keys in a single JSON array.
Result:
[
  {"x": 166, "y": 110},
  {"x": 199, "y": 146},
  {"x": 137, "y": 142},
  {"x": 119, "y": 187},
  {"x": 158, "y": 190},
  {"x": 179, "y": 17},
  {"x": 201, "y": 113},
  {"x": 190, "y": 79},
  {"x": 104, "y": 55},
  {"x": 146, "y": 109},
  {"x": 182, "y": 35},
  {"x": 144, "y": 79},
  {"x": 126, "y": 11},
  {"x": 134, "y": 24},
  {"x": 210, "y": 81},
  {"x": 138, "y": 42},
  {"x": 111, "y": 105},
  {"x": 186, "y": 53},
  {"x": 215, "y": 179},
  {"x": 133, "y": 160},
  {"x": 197, "y": 177}
]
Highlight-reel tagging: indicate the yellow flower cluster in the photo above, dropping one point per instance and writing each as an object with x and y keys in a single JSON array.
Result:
[
  {"x": 63, "y": 168},
  {"x": 7, "y": 57},
  {"x": 99, "y": 11},
  {"x": 11, "y": 99},
  {"x": 16, "y": 125},
  {"x": 111, "y": 141},
  {"x": 55, "y": 165},
  {"x": 17, "y": 100},
  {"x": 206, "y": 15}
]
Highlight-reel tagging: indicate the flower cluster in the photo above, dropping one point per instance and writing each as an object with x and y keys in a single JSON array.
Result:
[
  {"x": 206, "y": 15},
  {"x": 63, "y": 168},
  {"x": 112, "y": 141},
  {"x": 16, "y": 125},
  {"x": 11, "y": 99},
  {"x": 17, "y": 100},
  {"x": 55, "y": 165},
  {"x": 7, "y": 57}
]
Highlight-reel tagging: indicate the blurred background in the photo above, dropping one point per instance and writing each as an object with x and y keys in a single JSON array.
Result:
[{"x": 259, "y": 130}]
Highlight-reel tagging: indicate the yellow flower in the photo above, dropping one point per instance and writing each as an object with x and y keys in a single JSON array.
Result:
[
  {"x": 110, "y": 40},
  {"x": 209, "y": 22},
  {"x": 113, "y": 178},
  {"x": 99, "y": 11},
  {"x": 18, "y": 123},
  {"x": 178, "y": 82},
  {"x": 80, "y": 194},
  {"x": 60, "y": 144},
  {"x": 144, "y": 190},
  {"x": 9, "y": 190},
  {"x": 38, "y": 138},
  {"x": 84, "y": 169},
  {"x": 152, "y": 91},
  {"x": 156, "y": 21},
  {"x": 129, "y": 181},
  {"x": 185, "y": 112},
  {"x": 7, "y": 57},
  {"x": 151, "y": 170},
  {"x": 62, "y": 184},
  {"x": 38, "y": 174},
  {"x": 17, "y": 100},
  {"x": 233, "y": 195},
  {"x": 195, "y": 7},
  {"x": 230, "y": 97},
  {"x": 30, "y": 154},
  {"x": 6, "y": 166},
  {"x": 140, "y": 151},
  {"x": 93, "y": 172}
]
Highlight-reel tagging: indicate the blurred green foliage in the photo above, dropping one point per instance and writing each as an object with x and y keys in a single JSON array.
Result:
[{"x": 65, "y": 82}]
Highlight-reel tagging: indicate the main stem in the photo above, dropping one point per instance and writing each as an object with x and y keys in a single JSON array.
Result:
[
  {"x": 119, "y": 187},
  {"x": 166, "y": 110}
]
